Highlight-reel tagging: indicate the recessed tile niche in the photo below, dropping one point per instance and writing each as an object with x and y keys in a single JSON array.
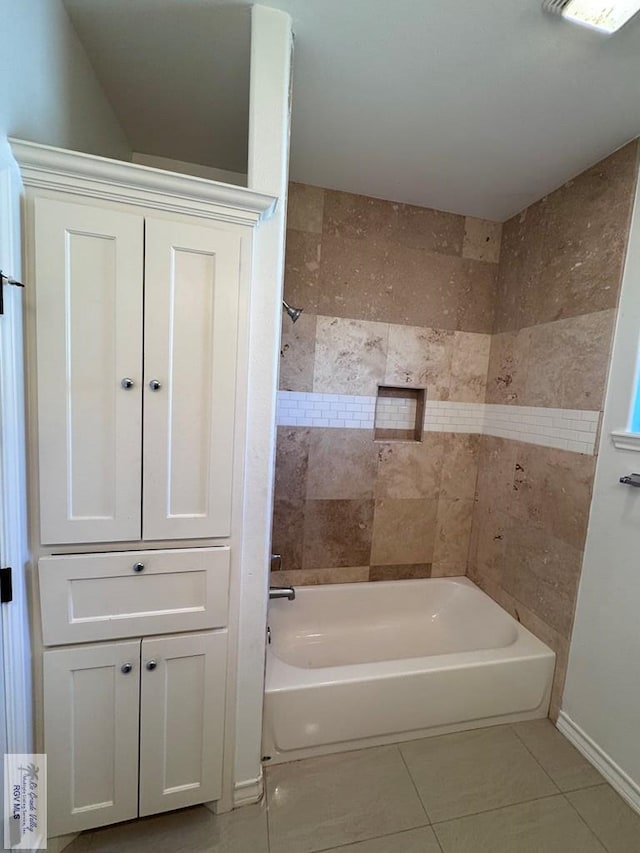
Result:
[{"x": 399, "y": 414}]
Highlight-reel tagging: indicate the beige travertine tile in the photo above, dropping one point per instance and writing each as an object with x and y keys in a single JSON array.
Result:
[
  {"x": 496, "y": 471},
  {"x": 287, "y": 532},
  {"x": 340, "y": 799},
  {"x": 358, "y": 217},
  {"x": 403, "y": 531},
  {"x": 476, "y": 296},
  {"x": 481, "y": 239},
  {"x": 569, "y": 361},
  {"x": 548, "y": 825},
  {"x": 337, "y": 533},
  {"x": 562, "y": 761},
  {"x": 508, "y": 367},
  {"x": 610, "y": 818},
  {"x": 552, "y": 491},
  {"x": 382, "y": 280},
  {"x": 446, "y": 569},
  {"x": 312, "y": 577},
  {"x": 453, "y": 532},
  {"x": 400, "y": 572},
  {"x": 563, "y": 256},
  {"x": 542, "y": 572},
  {"x": 292, "y": 458},
  {"x": 410, "y": 470},
  {"x": 420, "y": 357},
  {"x": 351, "y": 356},
  {"x": 365, "y": 218},
  {"x": 354, "y": 280},
  {"x": 342, "y": 464},
  {"x": 297, "y": 353},
  {"x": 411, "y": 841},
  {"x": 487, "y": 547},
  {"x": 469, "y": 366},
  {"x": 305, "y": 206},
  {"x": 434, "y": 230},
  {"x": 194, "y": 830},
  {"x": 519, "y": 269},
  {"x": 302, "y": 270},
  {"x": 585, "y": 239},
  {"x": 474, "y": 771},
  {"x": 461, "y": 454}
]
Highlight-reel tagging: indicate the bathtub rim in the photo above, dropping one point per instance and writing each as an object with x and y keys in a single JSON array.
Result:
[{"x": 283, "y": 676}]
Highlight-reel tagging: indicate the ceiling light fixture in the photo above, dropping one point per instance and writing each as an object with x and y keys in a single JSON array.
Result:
[{"x": 605, "y": 17}]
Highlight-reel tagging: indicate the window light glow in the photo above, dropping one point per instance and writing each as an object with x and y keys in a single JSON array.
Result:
[{"x": 605, "y": 17}]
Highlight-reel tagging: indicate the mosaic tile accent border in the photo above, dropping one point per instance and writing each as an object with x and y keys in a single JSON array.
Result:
[{"x": 565, "y": 429}]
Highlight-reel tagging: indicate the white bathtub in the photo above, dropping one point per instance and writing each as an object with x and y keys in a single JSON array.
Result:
[{"x": 361, "y": 664}]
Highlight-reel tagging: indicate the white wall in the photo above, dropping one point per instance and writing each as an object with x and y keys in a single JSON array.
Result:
[
  {"x": 601, "y": 704},
  {"x": 48, "y": 90},
  {"x": 269, "y": 121}
]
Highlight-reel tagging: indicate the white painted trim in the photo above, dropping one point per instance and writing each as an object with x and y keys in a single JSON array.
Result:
[
  {"x": 624, "y": 440},
  {"x": 247, "y": 792},
  {"x": 612, "y": 772},
  {"x": 271, "y": 43},
  {"x": 13, "y": 519},
  {"x": 45, "y": 167}
]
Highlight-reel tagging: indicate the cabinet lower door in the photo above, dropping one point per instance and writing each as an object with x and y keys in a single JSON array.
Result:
[
  {"x": 182, "y": 720},
  {"x": 88, "y": 268},
  {"x": 91, "y": 706},
  {"x": 192, "y": 288}
]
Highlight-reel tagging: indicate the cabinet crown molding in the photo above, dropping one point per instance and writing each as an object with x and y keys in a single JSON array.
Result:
[{"x": 46, "y": 167}]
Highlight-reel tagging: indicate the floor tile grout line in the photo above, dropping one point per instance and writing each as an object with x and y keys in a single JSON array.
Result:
[
  {"x": 497, "y": 808},
  {"x": 591, "y": 830},
  {"x": 374, "y": 838},
  {"x": 413, "y": 782},
  {"x": 535, "y": 758}
]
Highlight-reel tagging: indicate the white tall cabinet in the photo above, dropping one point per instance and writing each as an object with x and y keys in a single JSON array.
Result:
[{"x": 139, "y": 283}]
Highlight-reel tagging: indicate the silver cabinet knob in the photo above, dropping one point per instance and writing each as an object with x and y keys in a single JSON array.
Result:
[
  {"x": 126, "y": 667},
  {"x": 127, "y": 383},
  {"x": 155, "y": 385},
  {"x": 152, "y": 664},
  {"x": 138, "y": 567}
]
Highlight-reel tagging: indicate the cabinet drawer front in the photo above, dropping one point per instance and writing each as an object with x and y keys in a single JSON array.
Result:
[
  {"x": 192, "y": 285},
  {"x": 104, "y": 596},
  {"x": 91, "y": 709},
  {"x": 181, "y": 720},
  {"x": 88, "y": 267}
]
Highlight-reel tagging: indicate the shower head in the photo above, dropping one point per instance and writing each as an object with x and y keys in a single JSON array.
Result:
[{"x": 294, "y": 313}]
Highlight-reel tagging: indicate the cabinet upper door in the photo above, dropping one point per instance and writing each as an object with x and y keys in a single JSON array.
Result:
[
  {"x": 192, "y": 286},
  {"x": 91, "y": 734},
  {"x": 88, "y": 266},
  {"x": 182, "y": 720}
]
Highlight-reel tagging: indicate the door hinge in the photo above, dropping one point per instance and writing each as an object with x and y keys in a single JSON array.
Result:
[
  {"x": 6, "y": 279},
  {"x": 6, "y": 586}
]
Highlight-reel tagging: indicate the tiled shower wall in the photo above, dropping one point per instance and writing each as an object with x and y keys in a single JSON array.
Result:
[
  {"x": 559, "y": 278},
  {"x": 395, "y": 295},
  {"x": 514, "y": 356}
]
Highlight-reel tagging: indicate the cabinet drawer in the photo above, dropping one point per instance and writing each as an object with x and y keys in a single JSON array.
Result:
[{"x": 106, "y": 596}]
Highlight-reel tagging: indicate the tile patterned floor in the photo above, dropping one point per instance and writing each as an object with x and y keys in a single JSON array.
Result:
[{"x": 508, "y": 789}]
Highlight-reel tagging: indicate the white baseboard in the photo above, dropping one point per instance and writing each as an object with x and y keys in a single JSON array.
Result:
[
  {"x": 249, "y": 791},
  {"x": 615, "y": 775}
]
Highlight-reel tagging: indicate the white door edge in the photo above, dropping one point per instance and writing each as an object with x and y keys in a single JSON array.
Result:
[{"x": 14, "y": 551}]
